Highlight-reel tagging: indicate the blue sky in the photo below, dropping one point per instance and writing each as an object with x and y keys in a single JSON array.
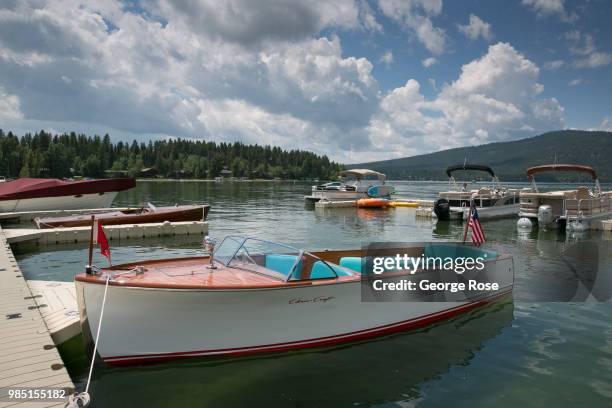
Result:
[
  {"x": 354, "y": 79},
  {"x": 540, "y": 37}
]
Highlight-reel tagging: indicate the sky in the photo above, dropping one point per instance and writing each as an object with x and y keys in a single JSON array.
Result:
[{"x": 357, "y": 80}]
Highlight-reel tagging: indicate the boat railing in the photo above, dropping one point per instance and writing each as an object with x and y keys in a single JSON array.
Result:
[{"x": 587, "y": 206}]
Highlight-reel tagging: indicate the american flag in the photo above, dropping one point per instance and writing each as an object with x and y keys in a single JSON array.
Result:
[{"x": 478, "y": 236}]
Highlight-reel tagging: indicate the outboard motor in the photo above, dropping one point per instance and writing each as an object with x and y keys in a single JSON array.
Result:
[
  {"x": 442, "y": 209},
  {"x": 545, "y": 215}
]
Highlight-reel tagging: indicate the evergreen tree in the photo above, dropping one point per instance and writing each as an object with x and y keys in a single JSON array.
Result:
[{"x": 45, "y": 155}]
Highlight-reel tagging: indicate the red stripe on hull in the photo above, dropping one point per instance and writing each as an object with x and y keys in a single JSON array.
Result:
[{"x": 124, "y": 361}]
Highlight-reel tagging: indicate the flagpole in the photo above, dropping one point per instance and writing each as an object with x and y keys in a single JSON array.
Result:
[
  {"x": 467, "y": 223},
  {"x": 90, "y": 257}
]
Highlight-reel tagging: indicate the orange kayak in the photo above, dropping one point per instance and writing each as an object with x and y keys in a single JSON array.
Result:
[{"x": 372, "y": 202}]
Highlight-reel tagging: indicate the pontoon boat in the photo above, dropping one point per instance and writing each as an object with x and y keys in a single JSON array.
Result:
[
  {"x": 576, "y": 208},
  {"x": 494, "y": 201},
  {"x": 355, "y": 184}
]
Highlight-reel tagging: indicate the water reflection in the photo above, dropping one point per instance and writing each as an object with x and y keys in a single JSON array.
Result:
[
  {"x": 385, "y": 370},
  {"x": 466, "y": 361}
]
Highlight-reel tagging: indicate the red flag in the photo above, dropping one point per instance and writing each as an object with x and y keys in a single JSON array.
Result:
[{"x": 103, "y": 242}]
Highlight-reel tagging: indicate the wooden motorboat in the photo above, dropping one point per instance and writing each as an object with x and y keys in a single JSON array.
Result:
[
  {"x": 254, "y": 296},
  {"x": 38, "y": 194},
  {"x": 575, "y": 208},
  {"x": 143, "y": 215}
]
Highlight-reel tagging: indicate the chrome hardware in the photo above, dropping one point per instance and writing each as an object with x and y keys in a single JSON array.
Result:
[{"x": 209, "y": 246}]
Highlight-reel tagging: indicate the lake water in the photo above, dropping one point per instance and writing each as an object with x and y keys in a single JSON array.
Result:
[{"x": 519, "y": 352}]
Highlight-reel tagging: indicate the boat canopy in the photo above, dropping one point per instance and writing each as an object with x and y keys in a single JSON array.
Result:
[
  {"x": 478, "y": 167},
  {"x": 561, "y": 167},
  {"x": 362, "y": 173}
]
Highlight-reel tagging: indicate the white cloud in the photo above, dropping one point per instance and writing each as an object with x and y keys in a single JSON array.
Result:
[
  {"x": 575, "y": 37},
  {"x": 125, "y": 71},
  {"x": 575, "y": 82},
  {"x": 415, "y": 17},
  {"x": 606, "y": 124},
  {"x": 572, "y": 35},
  {"x": 553, "y": 65},
  {"x": 587, "y": 55},
  {"x": 9, "y": 106},
  {"x": 433, "y": 84},
  {"x": 387, "y": 58},
  {"x": 98, "y": 66},
  {"x": 496, "y": 97},
  {"x": 594, "y": 60},
  {"x": 428, "y": 62},
  {"x": 476, "y": 28},
  {"x": 544, "y": 8},
  {"x": 248, "y": 22}
]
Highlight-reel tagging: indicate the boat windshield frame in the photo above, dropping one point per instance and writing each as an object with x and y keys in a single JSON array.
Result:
[{"x": 242, "y": 241}]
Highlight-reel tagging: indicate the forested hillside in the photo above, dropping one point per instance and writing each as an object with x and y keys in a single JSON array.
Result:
[
  {"x": 45, "y": 155},
  {"x": 510, "y": 159}
]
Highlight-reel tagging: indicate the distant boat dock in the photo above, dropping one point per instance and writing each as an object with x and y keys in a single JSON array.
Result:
[{"x": 55, "y": 236}]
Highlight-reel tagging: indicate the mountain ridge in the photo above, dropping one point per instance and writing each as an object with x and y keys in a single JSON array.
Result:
[{"x": 510, "y": 160}]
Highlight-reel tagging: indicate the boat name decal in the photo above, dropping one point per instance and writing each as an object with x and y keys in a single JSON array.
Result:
[{"x": 318, "y": 299}]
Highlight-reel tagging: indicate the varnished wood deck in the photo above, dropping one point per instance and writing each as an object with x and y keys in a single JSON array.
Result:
[
  {"x": 28, "y": 357},
  {"x": 192, "y": 273}
]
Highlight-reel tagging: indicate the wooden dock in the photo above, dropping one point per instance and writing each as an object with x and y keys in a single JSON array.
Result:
[
  {"x": 60, "y": 313},
  {"x": 28, "y": 356},
  {"x": 415, "y": 203},
  {"x": 54, "y": 236}
]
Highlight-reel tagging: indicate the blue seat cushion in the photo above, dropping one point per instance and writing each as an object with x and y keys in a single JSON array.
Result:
[
  {"x": 283, "y": 263},
  {"x": 321, "y": 271},
  {"x": 351, "y": 262}
]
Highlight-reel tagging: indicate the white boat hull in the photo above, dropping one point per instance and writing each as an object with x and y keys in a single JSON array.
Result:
[
  {"x": 74, "y": 202},
  {"x": 148, "y": 325},
  {"x": 499, "y": 211},
  {"x": 336, "y": 195}
]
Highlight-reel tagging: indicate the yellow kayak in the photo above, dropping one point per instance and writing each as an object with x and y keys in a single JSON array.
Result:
[{"x": 404, "y": 204}]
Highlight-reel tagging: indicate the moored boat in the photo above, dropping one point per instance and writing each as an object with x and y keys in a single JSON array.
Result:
[
  {"x": 142, "y": 215},
  {"x": 255, "y": 296},
  {"x": 355, "y": 184},
  {"x": 493, "y": 201},
  {"x": 37, "y": 194},
  {"x": 574, "y": 208}
]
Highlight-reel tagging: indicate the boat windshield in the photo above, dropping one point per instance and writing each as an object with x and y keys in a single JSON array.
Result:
[{"x": 272, "y": 259}]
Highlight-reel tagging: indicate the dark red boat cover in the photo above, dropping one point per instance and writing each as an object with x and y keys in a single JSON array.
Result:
[{"x": 37, "y": 187}]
